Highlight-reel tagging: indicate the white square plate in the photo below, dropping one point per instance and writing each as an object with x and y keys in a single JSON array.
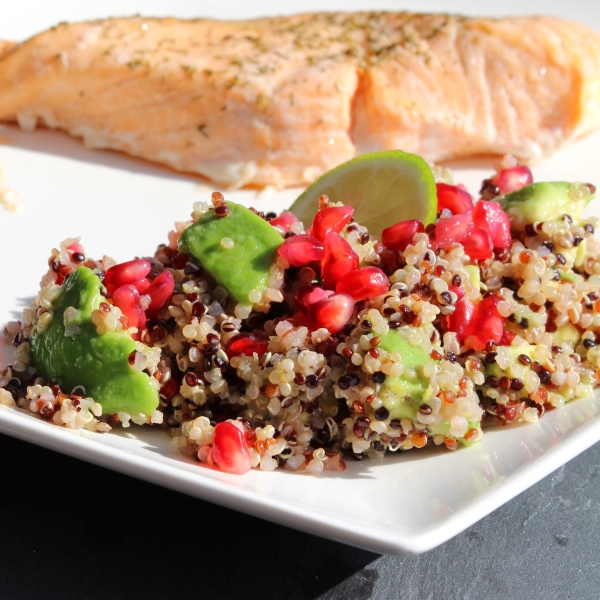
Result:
[{"x": 123, "y": 207}]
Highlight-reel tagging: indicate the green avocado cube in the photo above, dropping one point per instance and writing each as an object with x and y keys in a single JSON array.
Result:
[
  {"x": 546, "y": 200},
  {"x": 242, "y": 267},
  {"x": 81, "y": 356}
]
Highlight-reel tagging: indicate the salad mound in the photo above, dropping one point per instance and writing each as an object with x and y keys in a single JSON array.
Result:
[{"x": 261, "y": 341}]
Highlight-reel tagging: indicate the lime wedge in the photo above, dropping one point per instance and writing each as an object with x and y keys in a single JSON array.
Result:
[{"x": 383, "y": 187}]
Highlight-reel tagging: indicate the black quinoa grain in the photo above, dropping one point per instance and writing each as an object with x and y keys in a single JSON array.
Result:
[
  {"x": 561, "y": 259},
  {"x": 456, "y": 280},
  {"x": 382, "y": 414},
  {"x": 489, "y": 190},
  {"x": 425, "y": 409},
  {"x": 379, "y": 377},
  {"x": 363, "y": 422},
  {"x": 589, "y": 343},
  {"x": 492, "y": 382},
  {"x": 446, "y": 297},
  {"x": 490, "y": 358},
  {"x": 312, "y": 381},
  {"x": 544, "y": 376},
  {"x": 516, "y": 384}
]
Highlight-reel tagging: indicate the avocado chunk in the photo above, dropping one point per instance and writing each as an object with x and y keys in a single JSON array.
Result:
[
  {"x": 245, "y": 266},
  {"x": 567, "y": 333},
  {"x": 547, "y": 200},
  {"x": 513, "y": 359},
  {"x": 77, "y": 355},
  {"x": 403, "y": 395}
]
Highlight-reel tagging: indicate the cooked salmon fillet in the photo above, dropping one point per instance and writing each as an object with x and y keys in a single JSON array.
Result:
[{"x": 277, "y": 101}]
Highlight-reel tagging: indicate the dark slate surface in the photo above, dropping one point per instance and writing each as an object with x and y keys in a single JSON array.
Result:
[{"x": 75, "y": 531}]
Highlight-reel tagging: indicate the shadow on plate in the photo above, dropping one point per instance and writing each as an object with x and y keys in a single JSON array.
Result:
[{"x": 58, "y": 143}]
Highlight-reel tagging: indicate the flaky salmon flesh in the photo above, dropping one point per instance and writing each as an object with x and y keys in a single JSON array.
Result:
[{"x": 278, "y": 101}]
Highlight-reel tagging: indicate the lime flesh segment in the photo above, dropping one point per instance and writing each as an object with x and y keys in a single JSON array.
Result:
[{"x": 383, "y": 187}]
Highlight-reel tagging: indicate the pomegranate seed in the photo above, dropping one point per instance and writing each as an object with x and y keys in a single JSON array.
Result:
[
  {"x": 459, "y": 290},
  {"x": 453, "y": 198},
  {"x": 246, "y": 344},
  {"x": 332, "y": 313},
  {"x": 478, "y": 244},
  {"x": 284, "y": 220},
  {"x": 333, "y": 218},
  {"x": 483, "y": 321},
  {"x": 230, "y": 449},
  {"x": 513, "y": 179},
  {"x": 507, "y": 338},
  {"x": 490, "y": 324},
  {"x": 399, "y": 236},
  {"x": 453, "y": 230},
  {"x": 338, "y": 259},
  {"x": 132, "y": 272},
  {"x": 299, "y": 250},
  {"x": 310, "y": 294},
  {"x": 160, "y": 292},
  {"x": 367, "y": 282},
  {"x": 491, "y": 217},
  {"x": 127, "y": 298},
  {"x": 460, "y": 320},
  {"x": 75, "y": 247}
]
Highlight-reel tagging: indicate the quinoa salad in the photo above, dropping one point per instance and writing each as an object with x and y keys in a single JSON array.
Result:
[{"x": 259, "y": 341}]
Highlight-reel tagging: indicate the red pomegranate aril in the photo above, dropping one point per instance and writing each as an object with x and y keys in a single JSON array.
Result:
[
  {"x": 333, "y": 218},
  {"x": 478, "y": 244},
  {"x": 310, "y": 294},
  {"x": 453, "y": 230},
  {"x": 284, "y": 220},
  {"x": 131, "y": 272},
  {"x": 399, "y": 236},
  {"x": 246, "y": 343},
  {"x": 230, "y": 450},
  {"x": 127, "y": 298},
  {"x": 490, "y": 216},
  {"x": 513, "y": 179},
  {"x": 460, "y": 320},
  {"x": 332, "y": 313},
  {"x": 364, "y": 283},
  {"x": 160, "y": 292},
  {"x": 338, "y": 259},
  {"x": 459, "y": 290},
  {"x": 454, "y": 199},
  {"x": 300, "y": 250},
  {"x": 490, "y": 324},
  {"x": 76, "y": 247},
  {"x": 142, "y": 286}
]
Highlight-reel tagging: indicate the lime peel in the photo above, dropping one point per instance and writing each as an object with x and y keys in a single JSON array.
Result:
[{"x": 383, "y": 187}]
